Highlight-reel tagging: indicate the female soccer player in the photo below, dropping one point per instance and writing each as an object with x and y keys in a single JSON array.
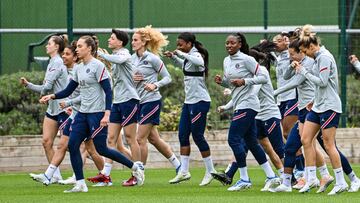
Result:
[
  {"x": 126, "y": 100},
  {"x": 147, "y": 44},
  {"x": 267, "y": 120},
  {"x": 239, "y": 72},
  {"x": 56, "y": 79},
  {"x": 325, "y": 112},
  {"x": 93, "y": 117},
  {"x": 287, "y": 100},
  {"x": 70, "y": 61},
  {"x": 194, "y": 59},
  {"x": 306, "y": 93}
]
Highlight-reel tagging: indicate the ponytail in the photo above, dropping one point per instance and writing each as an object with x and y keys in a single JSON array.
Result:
[
  {"x": 244, "y": 45},
  {"x": 262, "y": 53},
  {"x": 307, "y": 37},
  {"x": 205, "y": 54},
  {"x": 96, "y": 40}
]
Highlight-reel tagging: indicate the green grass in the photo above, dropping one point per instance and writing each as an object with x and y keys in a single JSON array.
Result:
[{"x": 20, "y": 188}]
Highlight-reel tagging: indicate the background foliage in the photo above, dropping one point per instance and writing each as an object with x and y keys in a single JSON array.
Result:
[{"x": 21, "y": 113}]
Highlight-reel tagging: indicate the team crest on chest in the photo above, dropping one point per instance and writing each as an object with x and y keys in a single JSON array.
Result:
[
  {"x": 88, "y": 70},
  {"x": 237, "y": 66},
  {"x": 145, "y": 62}
]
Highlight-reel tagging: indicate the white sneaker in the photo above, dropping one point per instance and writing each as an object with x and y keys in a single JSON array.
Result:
[
  {"x": 271, "y": 183},
  {"x": 300, "y": 183},
  {"x": 354, "y": 186},
  {"x": 102, "y": 184},
  {"x": 139, "y": 173},
  {"x": 55, "y": 180},
  {"x": 325, "y": 182},
  {"x": 240, "y": 185},
  {"x": 281, "y": 188},
  {"x": 69, "y": 181},
  {"x": 40, "y": 178},
  {"x": 77, "y": 188},
  {"x": 310, "y": 184},
  {"x": 207, "y": 179},
  {"x": 180, "y": 177},
  {"x": 339, "y": 188}
]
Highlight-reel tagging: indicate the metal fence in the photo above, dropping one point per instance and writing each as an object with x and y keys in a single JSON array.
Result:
[{"x": 25, "y": 21}]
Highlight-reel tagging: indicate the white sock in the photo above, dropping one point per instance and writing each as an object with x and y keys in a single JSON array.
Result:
[
  {"x": 80, "y": 182},
  {"x": 174, "y": 161},
  {"x": 339, "y": 175},
  {"x": 281, "y": 172},
  {"x": 133, "y": 168},
  {"x": 73, "y": 176},
  {"x": 244, "y": 174},
  {"x": 323, "y": 171},
  {"x": 50, "y": 171},
  {"x": 209, "y": 164},
  {"x": 57, "y": 173},
  {"x": 287, "y": 179},
  {"x": 107, "y": 169},
  {"x": 184, "y": 163},
  {"x": 352, "y": 176},
  {"x": 268, "y": 170},
  {"x": 311, "y": 172}
]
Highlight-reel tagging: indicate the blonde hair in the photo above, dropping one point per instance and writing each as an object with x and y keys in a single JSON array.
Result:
[
  {"x": 155, "y": 41},
  {"x": 307, "y": 36}
]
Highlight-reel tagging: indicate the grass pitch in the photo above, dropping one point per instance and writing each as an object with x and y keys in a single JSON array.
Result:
[{"x": 18, "y": 187}]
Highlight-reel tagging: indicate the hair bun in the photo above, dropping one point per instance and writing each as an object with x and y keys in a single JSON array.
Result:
[{"x": 307, "y": 31}]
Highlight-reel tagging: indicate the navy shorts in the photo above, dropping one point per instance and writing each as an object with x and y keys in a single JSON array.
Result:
[
  {"x": 288, "y": 108},
  {"x": 271, "y": 129},
  {"x": 149, "y": 113},
  {"x": 87, "y": 125},
  {"x": 327, "y": 119},
  {"x": 302, "y": 115},
  {"x": 66, "y": 130},
  {"x": 125, "y": 113},
  {"x": 60, "y": 119},
  {"x": 268, "y": 128}
]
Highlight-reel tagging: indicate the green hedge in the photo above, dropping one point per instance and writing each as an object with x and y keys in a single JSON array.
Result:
[
  {"x": 21, "y": 113},
  {"x": 353, "y": 101},
  {"x": 20, "y": 110}
]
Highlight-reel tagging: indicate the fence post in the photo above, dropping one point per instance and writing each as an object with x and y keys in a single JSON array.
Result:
[
  {"x": 1, "y": 62},
  {"x": 70, "y": 25},
  {"x": 344, "y": 61},
  {"x": 131, "y": 19},
  {"x": 266, "y": 7},
  {"x": 353, "y": 14}
]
